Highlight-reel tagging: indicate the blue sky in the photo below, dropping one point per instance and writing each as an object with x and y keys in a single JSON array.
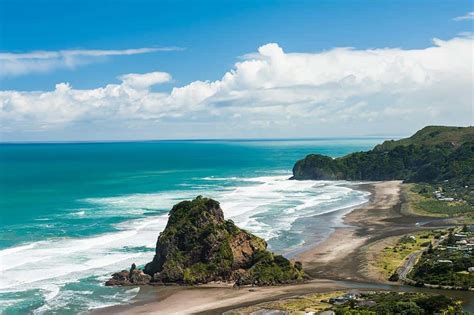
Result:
[{"x": 212, "y": 37}]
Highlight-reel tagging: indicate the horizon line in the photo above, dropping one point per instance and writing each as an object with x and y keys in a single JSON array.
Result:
[{"x": 387, "y": 137}]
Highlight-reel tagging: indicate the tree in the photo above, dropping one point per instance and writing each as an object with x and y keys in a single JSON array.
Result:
[
  {"x": 451, "y": 239},
  {"x": 430, "y": 249}
]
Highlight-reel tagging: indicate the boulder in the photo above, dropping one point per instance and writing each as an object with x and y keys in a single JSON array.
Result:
[{"x": 129, "y": 278}]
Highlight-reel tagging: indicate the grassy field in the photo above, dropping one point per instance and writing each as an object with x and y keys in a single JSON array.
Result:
[
  {"x": 299, "y": 305},
  {"x": 420, "y": 202},
  {"x": 368, "y": 302},
  {"x": 393, "y": 255}
]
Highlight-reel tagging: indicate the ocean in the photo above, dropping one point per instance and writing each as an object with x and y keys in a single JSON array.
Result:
[{"x": 73, "y": 213}]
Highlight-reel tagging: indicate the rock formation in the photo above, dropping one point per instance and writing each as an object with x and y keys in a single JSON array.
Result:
[
  {"x": 198, "y": 246},
  {"x": 132, "y": 277}
]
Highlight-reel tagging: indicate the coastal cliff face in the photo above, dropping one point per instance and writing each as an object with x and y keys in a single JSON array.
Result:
[
  {"x": 198, "y": 246},
  {"x": 433, "y": 154}
]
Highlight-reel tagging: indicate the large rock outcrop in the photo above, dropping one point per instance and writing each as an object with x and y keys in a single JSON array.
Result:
[{"x": 198, "y": 246}]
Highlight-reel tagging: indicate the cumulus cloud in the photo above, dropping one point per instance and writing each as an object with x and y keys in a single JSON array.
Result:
[
  {"x": 146, "y": 80},
  {"x": 14, "y": 64},
  {"x": 468, "y": 16},
  {"x": 302, "y": 94}
]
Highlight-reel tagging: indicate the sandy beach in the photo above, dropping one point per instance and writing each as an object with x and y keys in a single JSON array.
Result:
[{"x": 342, "y": 256}]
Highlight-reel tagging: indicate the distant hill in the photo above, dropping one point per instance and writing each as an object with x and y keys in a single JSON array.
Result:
[
  {"x": 431, "y": 136},
  {"x": 434, "y": 154}
]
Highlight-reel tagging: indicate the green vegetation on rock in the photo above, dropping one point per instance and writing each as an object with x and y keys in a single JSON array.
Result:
[
  {"x": 199, "y": 246},
  {"x": 412, "y": 160}
]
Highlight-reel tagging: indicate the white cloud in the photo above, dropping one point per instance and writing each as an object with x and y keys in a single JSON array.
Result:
[
  {"x": 468, "y": 16},
  {"x": 14, "y": 64},
  {"x": 146, "y": 80},
  {"x": 271, "y": 93}
]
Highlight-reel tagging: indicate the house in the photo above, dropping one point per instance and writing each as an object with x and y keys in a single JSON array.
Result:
[
  {"x": 444, "y": 261},
  {"x": 340, "y": 300},
  {"x": 470, "y": 269},
  {"x": 368, "y": 303},
  {"x": 459, "y": 236},
  {"x": 451, "y": 248},
  {"x": 343, "y": 299},
  {"x": 352, "y": 295}
]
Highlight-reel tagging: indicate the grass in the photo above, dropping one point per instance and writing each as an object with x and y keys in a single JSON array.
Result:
[
  {"x": 433, "y": 135},
  {"x": 425, "y": 205},
  {"x": 391, "y": 257},
  {"x": 383, "y": 303},
  {"x": 299, "y": 305}
]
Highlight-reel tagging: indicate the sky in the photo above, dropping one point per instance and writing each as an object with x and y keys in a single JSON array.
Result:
[{"x": 139, "y": 70}]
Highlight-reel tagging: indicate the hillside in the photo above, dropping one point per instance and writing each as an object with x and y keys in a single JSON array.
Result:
[
  {"x": 432, "y": 155},
  {"x": 432, "y": 136}
]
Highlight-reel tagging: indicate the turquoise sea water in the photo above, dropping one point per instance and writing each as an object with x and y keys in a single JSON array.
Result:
[{"x": 73, "y": 213}]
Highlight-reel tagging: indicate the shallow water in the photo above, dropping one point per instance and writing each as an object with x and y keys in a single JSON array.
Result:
[{"x": 73, "y": 213}]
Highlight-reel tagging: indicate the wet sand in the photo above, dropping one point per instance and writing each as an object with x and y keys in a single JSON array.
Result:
[
  {"x": 213, "y": 299},
  {"x": 342, "y": 256}
]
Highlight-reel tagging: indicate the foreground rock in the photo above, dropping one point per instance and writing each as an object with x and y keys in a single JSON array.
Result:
[
  {"x": 132, "y": 277},
  {"x": 199, "y": 246}
]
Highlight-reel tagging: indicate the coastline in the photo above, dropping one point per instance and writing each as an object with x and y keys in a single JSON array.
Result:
[{"x": 342, "y": 256}]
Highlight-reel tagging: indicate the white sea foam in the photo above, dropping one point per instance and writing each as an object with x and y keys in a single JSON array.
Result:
[
  {"x": 70, "y": 258},
  {"x": 9, "y": 251},
  {"x": 267, "y": 206}
]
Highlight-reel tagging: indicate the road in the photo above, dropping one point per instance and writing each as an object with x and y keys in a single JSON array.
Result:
[{"x": 410, "y": 262}]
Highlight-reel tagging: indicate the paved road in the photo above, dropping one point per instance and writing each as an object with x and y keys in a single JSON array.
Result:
[{"x": 410, "y": 262}]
